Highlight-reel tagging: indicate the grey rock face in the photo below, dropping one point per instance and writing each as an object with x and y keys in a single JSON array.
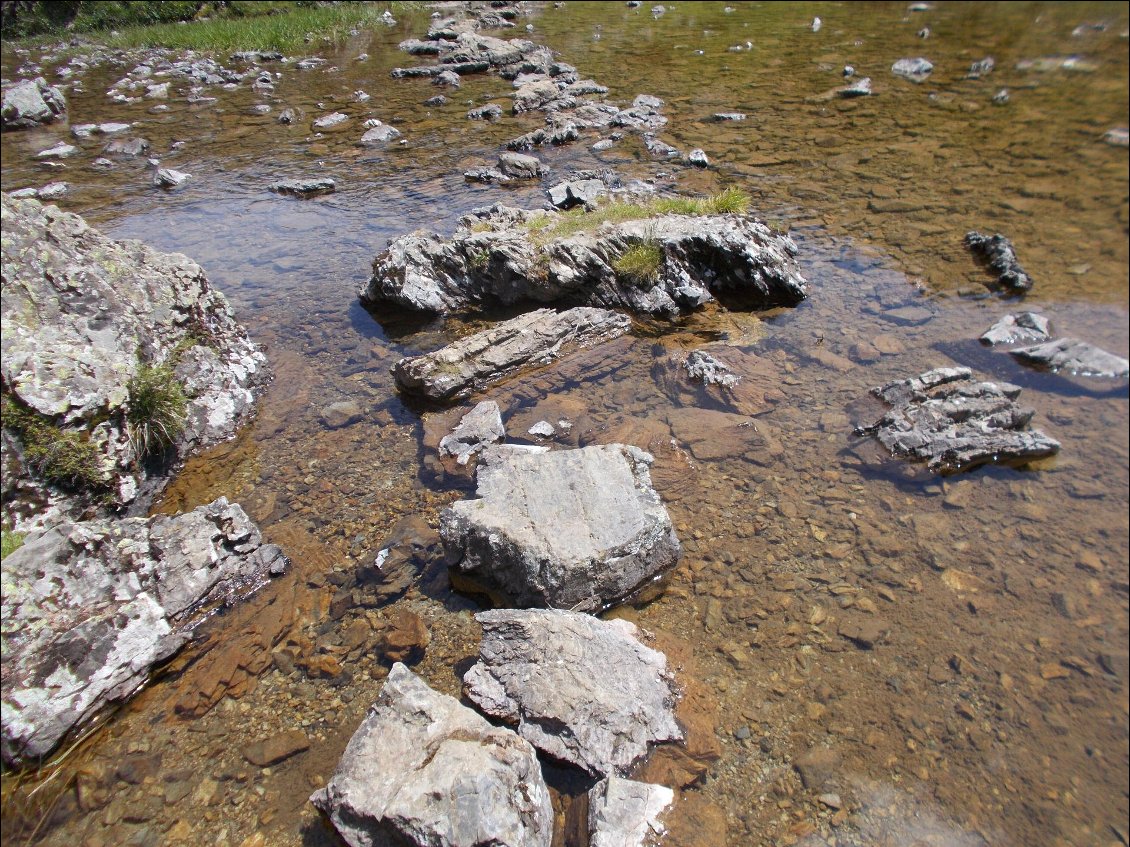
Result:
[
  {"x": 580, "y": 192},
  {"x": 333, "y": 119},
  {"x": 80, "y": 310},
  {"x": 31, "y": 102},
  {"x": 580, "y": 689},
  {"x": 704, "y": 368},
  {"x": 625, "y": 813},
  {"x": 494, "y": 258},
  {"x": 490, "y": 112},
  {"x": 997, "y": 252},
  {"x": 379, "y": 135},
  {"x": 127, "y": 147},
  {"x": 304, "y": 187},
  {"x": 422, "y": 769},
  {"x": 479, "y": 428},
  {"x": 519, "y": 165},
  {"x": 1074, "y": 356},
  {"x": 169, "y": 178},
  {"x": 916, "y": 70},
  {"x": 1023, "y": 326},
  {"x": 955, "y": 424},
  {"x": 90, "y": 607},
  {"x": 535, "y": 338},
  {"x": 569, "y": 529}
]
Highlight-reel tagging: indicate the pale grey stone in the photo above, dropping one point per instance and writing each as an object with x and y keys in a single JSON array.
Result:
[
  {"x": 519, "y": 165},
  {"x": 916, "y": 70},
  {"x": 1080, "y": 358},
  {"x": 625, "y": 813},
  {"x": 170, "y": 178},
  {"x": 582, "y": 690},
  {"x": 1022, "y": 326},
  {"x": 578, "y": 192},
  {"x": 476, "y": 430},
  {"x": 424, "y": 770},
  {"x": 330, "y": 121},
  {"x": 31, "y": 102},
  {"x": 379, "y": 135}
]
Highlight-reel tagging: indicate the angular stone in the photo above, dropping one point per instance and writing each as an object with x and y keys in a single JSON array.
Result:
[
  {"x": 581, "y": 192},
  {"x": 379, "y": 135},
  {"x": 31, "y": 102},
  {"x": 580, "y": 689},
  {"x": 90, "y": 607},
  {"x": 1022, "y": 326},
  {"x": 624, "y": 813},
  {"x": 169, "y": 178},
  {"x": 1074, "y": 356},
  {"x": 341, "y": 414},
  {"x": 519, "y": 165},
  {"x": 333, "y": 119},
  {"x": 127, "y": 147},
  {"x": 277, "y": 748},
  {"x": 304, "y": 187},
  {"x": 422, "y": 769},
  {"x": 486, "y": 358},
  {"x": 998, "y": 253},
  {"x": 916, "y": 70},
  {"x": 479, "y": 428},
  {"x": 954, "y": 424},
  {"x": 570, "y": 529}
]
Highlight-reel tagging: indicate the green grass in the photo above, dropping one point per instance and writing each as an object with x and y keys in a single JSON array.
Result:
[
  {"x": 546, "y": 228},
  {"x": 155, "y": 410},
  {"x": 10, "y": 542},
  {"x": 640, "y": 263},
  {"x": 62, "y": 456}
]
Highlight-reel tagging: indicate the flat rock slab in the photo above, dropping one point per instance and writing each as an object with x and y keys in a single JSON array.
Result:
[
  {"x": 88, "y": 608},
  {"x": 506, "y": 256},
  {"x": 277, "y": 748},
  {"x": 569, "y": 529},
  {"x": 1020, "y": 327},
  {"x": 625, "y": 813},
  {"x": 580, "y": 689},
  {"x": 954, "y": 424},
  {"x": 1079, "y": 358},
  {"x": 422, "y": 769},
  {"x": 486, "y": 358},
  {"x": 304, "y": 187}
]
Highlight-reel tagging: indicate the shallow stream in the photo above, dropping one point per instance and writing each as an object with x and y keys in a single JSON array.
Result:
[{"x": 992, "y": 710}]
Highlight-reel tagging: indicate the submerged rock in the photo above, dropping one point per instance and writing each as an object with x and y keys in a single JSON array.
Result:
[
  {"x": 535, "y": 338},
  {"x": 570, "y": 529},
  {"x": 916, "y": 70},
  {"x": 422, "y": 769},
  {"x": 89, "y": 608},
  {"x": 506, "y": 256},
  {"x": 625, "y": 813},
  {"x": 981, "y": 68},
  {"x": 31, "y": 102},
  {"x": 955, "y": 424},
  {"x": 582, "y": 690},
  {"x": 1079, "y": 358},
  {"x": 998, "y": 253},
  {"x": 127, "y": 147},
  {"x": 304, "y": 187},
  {"x": 1023, "y": 326}
]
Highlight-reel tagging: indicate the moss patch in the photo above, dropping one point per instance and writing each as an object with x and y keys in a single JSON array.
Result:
[{"x": 65, "y": 457}]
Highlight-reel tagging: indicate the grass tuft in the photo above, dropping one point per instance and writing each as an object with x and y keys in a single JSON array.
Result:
[
  {"x": 640, "y": 263},
  {"x": 155, "y": 410},
  {"x": 10, "y": 542},
  {"x": 62, "y": 456}
]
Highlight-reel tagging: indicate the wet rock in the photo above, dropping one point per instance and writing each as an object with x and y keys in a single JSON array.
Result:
[
  {"x": 59, "y": 151},
  {"x": 916, "y": 70},
  {"x": 31, "y": 102},
  {"x": 865, "y": 633},
  {"x": 953, "y": 424},
  {"x": 478, "y": 429},
  {"x": 729, "y": 116},
  {"x": 169, "y": 178},
  {"x": 341, "y": 414},
  {"x": 519, "y": 165},
  {"x": 379, "y": 135},
  {"x": 581, "y": 192},
  {"x": 438, "y": 100},
  {"x": 404, "y": 638},
  {"x": 1001, "y": 98},
  {"x": 253, "y": 57},
  {"x": 535, "y": 338},
  {"x": 424, "y": 770},
  {"x": 334, "y": 119},
  {"x": 486, "y": 175},
  {"x": 623, "y": 813},
  {"x": 698, "y": 158},
  {"x": 277, "y": 748},
  {"x": 997, "y": 252},
  {"x": 447, "y": 78},
  {"x": 818, "y": 768},
  {"x": 541, "y": 429},
  {"x": 311, "y": 63},
  {"x": 90, "y": 607},
  {"x": 1117, "y": 137},
  {"x": 743, "y": 383},
  {"x": 1074, "y": 356},
  {"x": 81, "y": 313},
  {"x": 981, "y": 68},
  {"x": 288, "y": 116},
  {"x": 127, "y": 147},
  {"x": 494, "y": 258},
  {"x": 490, "y": 112},
  {"x": 1020, "y": 327},
  {"x": 859, "y": 88},
  {"x": 304, "y": 187},
  {"x": 570, "y": 529},
  {"x": 580, "y": 689},
  {"x": 659, "y": 148}
]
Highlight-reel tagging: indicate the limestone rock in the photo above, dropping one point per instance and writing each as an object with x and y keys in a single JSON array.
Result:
[
  {"x": 624, "y": 813},
  {"x": 31, "y": 102},
  {"x": 90, "y": 607},
  {"x": 954, "y": 424},
  {"x": 497, "y": 257},
  {"x": 570, "y": 529},
  {"x": 479, "y": 428},
  {"x": 422, "y": 769},
  {"x": 535, "y": 338},
  {"x": 1022, "y": 326},
  {"x": 580, "y": 689},
  {"x": 1074, "y": 356}
]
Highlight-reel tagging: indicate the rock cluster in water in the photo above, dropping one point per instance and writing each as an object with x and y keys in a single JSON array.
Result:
[{"x": 31, "y": 102}]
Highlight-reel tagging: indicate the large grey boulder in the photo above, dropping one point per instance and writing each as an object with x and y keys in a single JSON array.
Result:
[
  {"x": 953, "y": 424},
  {"x": 1076, "y": 357},
  {"x": 625, "y": 813},
  {"x": 569, "y": 529},
  {"x": 422, "y": 769},
  {"x": 89, "y": 608},
  {"x": 488, "y": 357},
  {"x": 506, "y": 256},
  {"x": 583, "y": 690},
  {"x": 31, "y": 102},
  {"x": 82, "y": 313}
]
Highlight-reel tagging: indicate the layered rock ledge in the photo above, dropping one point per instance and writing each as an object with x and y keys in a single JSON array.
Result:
[
  {"x": 569, "y": 529},
  {"x": 504, "y": 256},
  {"x": 90, "y": 607}
]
